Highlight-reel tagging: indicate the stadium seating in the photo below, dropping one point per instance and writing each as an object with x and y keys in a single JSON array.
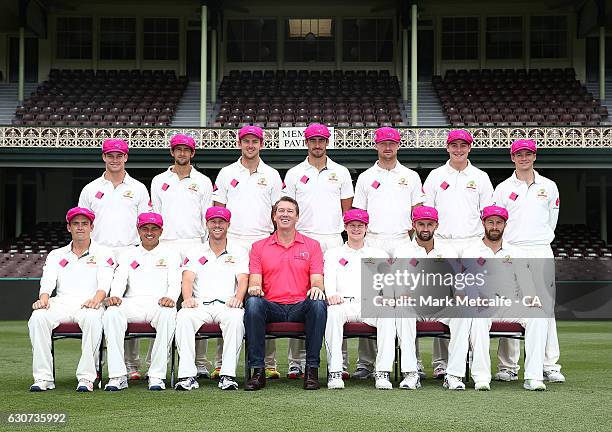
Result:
[
  {"x": 296, "y": 98},
  {"x": 509, "y": 97},
  {"x": 102, "y": 99}
]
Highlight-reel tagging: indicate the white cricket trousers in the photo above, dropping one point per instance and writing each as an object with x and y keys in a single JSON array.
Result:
[
  {"x": 337, "y": 316},
  {"x": 509, "y": 350},
  {"x": 536, "y": 330},
  {"x": 136, "y": 310},
  {"x": 41, "y": 325},
  {"x": 439, "y": 356},
  {"x": 189, "y": 320},
  {"x": 458, "y": 345}
]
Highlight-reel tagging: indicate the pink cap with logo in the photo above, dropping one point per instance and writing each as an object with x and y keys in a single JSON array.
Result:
[
  {"x": 150, "y": 218},
  {"x": 494, "y": 211},
  {"x": 424, "y": 212},
  {"x": 252, "y": 130},
  {"x": 356, "y": 215},
  {"x": 218, "y": 212},
  {"x": 114, "y": 145},
  {"x": 75, "y": 211},
  {"x": 523, "y": 144},
  {"x": 316, "y": 130},
  {"x": 387, "y": 134},
  {"x": 459, "y": 134},
  {"x": 180, "y": 139}
]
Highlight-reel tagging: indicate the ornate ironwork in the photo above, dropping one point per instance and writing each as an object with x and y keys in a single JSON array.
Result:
[{"x": 345, "y": 138}]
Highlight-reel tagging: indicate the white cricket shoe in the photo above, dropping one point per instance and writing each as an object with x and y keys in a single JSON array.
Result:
[
  {"x": 554, "y": 376},
  {"x": 84, "y": 386},
  {"x": 382, "y": 381},
  {"x": 156, "y": 384},
  {"x": 482, "y": 386},
  {"x": 411, "y": 381},
  {"x": 335, "y": 381},
  {"x": 227, "y": 382},
  {"x": 116, "y": 384},
  {"x": 506, "y": 375},
  {"x": 534, "y": 385},
  {"x": 187, "y": 384},
  {"x": 42, "y": 385},
  {"x": 453, "y": 382}
]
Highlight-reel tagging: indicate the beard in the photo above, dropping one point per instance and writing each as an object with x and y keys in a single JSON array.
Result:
[
  {"x": 424, "y": 235},
  {"x": 493, "y": 235}
]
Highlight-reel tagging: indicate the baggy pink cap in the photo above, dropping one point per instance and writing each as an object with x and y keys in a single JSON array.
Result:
[
  {"x": 75, "y": 211},
  {"x": 356, "y": 215},
  {"x": 523, "y": 144},
  {"x": 253, "y": 130},
  {"x": 459, "y": 134},
  {"x": 180, "y": 139},
  {"x": 494, "y": 211},
  {"x": 316, "y": 130},
  {"x": 150, "y": 218},
  {"x": 424, "y": 212},
  {"x": 218, "y": 212},
  {"x": 114, "y": 145},
  {"x": 386, "y": 134}
]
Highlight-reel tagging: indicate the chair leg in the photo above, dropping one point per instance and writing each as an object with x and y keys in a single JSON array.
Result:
[
  {"x": 53, "y": 355},
  {"x": 396, "y": 361},
  {"x": 172, "y": 357},
  {"x": 100, "y": 360},
  {"x": 247, "y": 369}
]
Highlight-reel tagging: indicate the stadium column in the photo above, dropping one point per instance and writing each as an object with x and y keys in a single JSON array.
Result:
[
  {"x": 21, "y": 63},
  {"x": 18, "y": 204},
  {"x": 213, "y": 65},
  {"x": 405, "y": 64},
  {"x": 338, "y": 47},
  {"x": 414, "y": 67},
  {"x": 603, "y": 211},
  {"x": 203, "y": 64},
  {"x": 280, "y": 43},
  {"x": 602, "y": 63}
]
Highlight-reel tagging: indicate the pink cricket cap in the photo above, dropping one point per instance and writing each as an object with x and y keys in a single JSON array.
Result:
[
  {"x": 316, "y": 130},
  {"x": 75, "y": 211},
  {"x": 253, "y": 130},
  {"x": 218, "y": 212},
  {"x": 494, "y": 211},
  {"x": 180, "y": 139},
  {"x": 386, "y": 134},
  {"x": 459, "y": 134},
  {"x": 523, "y": 144},
  {"x": 114, "y": 145},
  {"x": 424, "y": 212},
  {"x": 150, "y": 218},
  {"x": 356, "y": 215}
]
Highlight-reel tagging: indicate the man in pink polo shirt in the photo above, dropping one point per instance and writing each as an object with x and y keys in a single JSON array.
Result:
[{"x": 285, "y": 284}]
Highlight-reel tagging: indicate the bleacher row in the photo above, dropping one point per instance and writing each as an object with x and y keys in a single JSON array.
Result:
[
  {"x": 296, "y": 98},
  {"x": 25, "y": 256},
  {"x": 518, "y": 97},
  {"x": 103, "y": 98}
]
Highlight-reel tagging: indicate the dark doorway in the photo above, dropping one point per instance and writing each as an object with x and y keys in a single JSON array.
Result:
[
  {"x": 194, "y": 44},
  {"x": 425, "y": 53},
  {"x": 31, "y": 59},
  {"x": 592, "y": 59}
]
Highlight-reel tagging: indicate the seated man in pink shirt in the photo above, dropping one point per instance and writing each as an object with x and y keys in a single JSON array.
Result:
[{"x": 285, "y": 284}]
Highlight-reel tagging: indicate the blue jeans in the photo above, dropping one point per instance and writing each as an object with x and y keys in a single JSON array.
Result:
[{"x": 259, "y": 311}]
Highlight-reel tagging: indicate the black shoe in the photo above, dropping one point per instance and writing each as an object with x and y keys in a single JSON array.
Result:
[
  {"x": 257, "y": 381},
  {"x": 311, "y": 378}
]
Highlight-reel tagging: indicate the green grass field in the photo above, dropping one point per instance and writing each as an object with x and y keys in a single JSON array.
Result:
[{"x": 581, "y": 404}]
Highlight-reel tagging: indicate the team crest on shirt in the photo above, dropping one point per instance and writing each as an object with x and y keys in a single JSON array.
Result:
[
  {"x": 193, "y": 187},
  {"x": 542, "y": 193},
  {"x": 230, "y": 260},
  {"x": 471, "y": 185},
  {"x": 128, "y": 194},
  {"x": 91, "y": 260},
  {"x": 161, "y": 263},
  {"x": 507, "y": 259},
  {"x": 262, "y": 182},
  {"x": 402, "y": 181},
  {"x": 333, "y": 177},
  {"x": 368, "y": 261}
]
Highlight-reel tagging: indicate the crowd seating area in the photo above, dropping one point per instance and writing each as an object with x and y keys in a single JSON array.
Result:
[
  {"x": 296, "y": 98},
  {"x": 103, "y": 98},
  {"x": 25, "y": 256},
  {"x": 504, "y": 97}
]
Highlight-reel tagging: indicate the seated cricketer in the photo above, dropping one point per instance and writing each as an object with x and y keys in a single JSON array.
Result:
[
  {"x": 81, "y": 275},
  {"x": 145, "y": 288},
  {"x": 215, "y": 278},
  {"x": 285, "y": 284}
]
